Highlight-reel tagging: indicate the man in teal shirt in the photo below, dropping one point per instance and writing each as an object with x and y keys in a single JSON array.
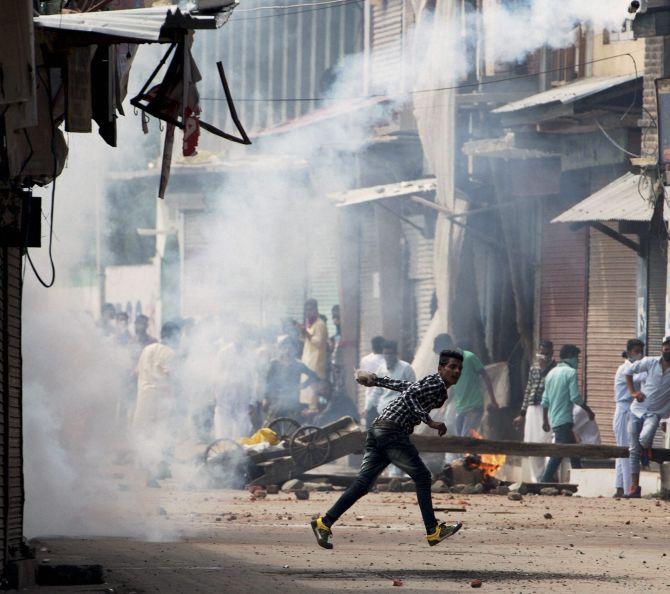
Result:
[
  {"x": 467, "y": 393},
  {"x": 560, "y": 394}
]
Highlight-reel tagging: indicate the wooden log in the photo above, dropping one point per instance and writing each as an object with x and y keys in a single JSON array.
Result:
[{"x": 470, "y": 445}]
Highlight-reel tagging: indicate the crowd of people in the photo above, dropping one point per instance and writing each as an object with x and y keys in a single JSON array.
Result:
[
  {"x": 193, "y": 384},
  {"x": 295, "y": 370}
]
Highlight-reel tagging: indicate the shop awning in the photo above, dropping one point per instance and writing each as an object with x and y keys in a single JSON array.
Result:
[
  {"x": 628, "y": 198},
  {"x": 417, "y": 187},
  {"x": 137, "y": 24},
  {"x": 569, "y": 93},
  {"x": 336, "y": 109}
]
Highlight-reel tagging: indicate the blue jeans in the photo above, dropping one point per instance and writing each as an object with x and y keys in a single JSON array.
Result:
[
  {"x": 470, "y": 419},
  {"x": 562, "y": 434},
  {"x": 384, "y": 446},
  {"x": 642, "y": 432}
]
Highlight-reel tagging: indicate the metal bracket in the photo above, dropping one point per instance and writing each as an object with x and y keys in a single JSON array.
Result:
[{"x": 137, "y": 102}]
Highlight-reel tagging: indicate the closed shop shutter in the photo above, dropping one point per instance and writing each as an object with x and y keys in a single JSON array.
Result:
[
  {"x": 612, "y": 316},
  {"x": 194, "y": 273},
  {"x": 387, "y": 43},
  {"x": 370, "y": 314},
  {"x": 322, "y": 270},
  {"x": 421, "y": 277},
  {"x": 11, "y": 494},
  {"x": 658, "y": 272},
  {"x": 563, "y": 286}
]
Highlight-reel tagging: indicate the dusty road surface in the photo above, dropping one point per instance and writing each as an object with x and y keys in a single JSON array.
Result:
[{"x": 231, "y": 544}]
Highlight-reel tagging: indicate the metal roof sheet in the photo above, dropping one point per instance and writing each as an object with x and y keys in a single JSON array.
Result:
[
  {"x": 427, "y": 185},
  {"x": 568, "y": 93},
  {"x": 628, "y": 198},
  {"x": 335, "y": 110},
  {"x": 139, "y": 24}
]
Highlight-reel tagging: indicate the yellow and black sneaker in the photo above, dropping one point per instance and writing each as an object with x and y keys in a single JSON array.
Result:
[
  {"x": 443, "y": 531},
  {"x": 322, "y": 533}
]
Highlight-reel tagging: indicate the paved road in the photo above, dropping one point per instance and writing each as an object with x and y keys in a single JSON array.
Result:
[{"x": 220, "y": 541}]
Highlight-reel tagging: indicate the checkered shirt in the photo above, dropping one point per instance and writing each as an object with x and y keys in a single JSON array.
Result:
[{"x": 416, "y": 401}]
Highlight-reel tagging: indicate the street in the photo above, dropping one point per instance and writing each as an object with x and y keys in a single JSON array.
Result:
[{"x": 233, "y": 544}]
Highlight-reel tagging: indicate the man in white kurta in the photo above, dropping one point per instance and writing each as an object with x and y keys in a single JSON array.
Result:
[
  {"x": 531, "y": 415},
  {"x": 153, "y": 418}
]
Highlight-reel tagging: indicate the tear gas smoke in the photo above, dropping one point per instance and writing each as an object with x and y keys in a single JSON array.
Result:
[{"x": 262, "y": 230}]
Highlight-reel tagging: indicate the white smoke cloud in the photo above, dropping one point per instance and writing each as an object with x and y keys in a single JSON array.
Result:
[{"x": 260, "y": 230}]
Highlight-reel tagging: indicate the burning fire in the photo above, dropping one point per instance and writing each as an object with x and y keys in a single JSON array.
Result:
[{"x": 490, "y": 463}]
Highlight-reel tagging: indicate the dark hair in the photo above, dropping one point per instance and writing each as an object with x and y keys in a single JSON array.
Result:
[
  {"x": 631, "y": 344},
  {"x": 169, "y": 330},
  {"x": 141, "y": 318},
  {"x": 568, "y": 351},
  {"x": 122, "y": 315},
  {"x": 547, "y": 344},
  {"x": 391, "y": 345},
  {"x": 377, "y": 344},
  {"x": 447, "y": 354},
  {"x": 313, "y": 302},
  {"x": 108, "y": 307},
  {"x": 442, "y": 342}
]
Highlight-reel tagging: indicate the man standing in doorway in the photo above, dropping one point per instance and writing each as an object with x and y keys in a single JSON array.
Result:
[
  {"x": 387, "y": 441},
  {"x": 531, "y": 416},
  {"x": 314, "y": 336},
  {"x": 560, "y": 393}
]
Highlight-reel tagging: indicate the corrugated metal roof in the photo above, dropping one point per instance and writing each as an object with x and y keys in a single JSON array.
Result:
[
  {"x": 405, "y": 188},
  {"x": 138, "y": 24},
  {"x": 337, "y": 109},
  {"x": 628, "y": 198},
  {"x": 505, "y": 148},
  {"x": 568, "y": 93}
]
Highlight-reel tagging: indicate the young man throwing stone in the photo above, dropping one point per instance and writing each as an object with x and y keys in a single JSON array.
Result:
[{"x": 387, "y": 442}]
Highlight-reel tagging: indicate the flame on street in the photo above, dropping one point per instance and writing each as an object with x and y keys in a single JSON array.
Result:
[{"x": 490, "y": 463}]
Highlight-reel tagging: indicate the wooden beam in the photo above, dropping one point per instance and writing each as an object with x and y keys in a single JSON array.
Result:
[
  {"x": 622, "y": 239},
  {"x": 470, "y": 445}
]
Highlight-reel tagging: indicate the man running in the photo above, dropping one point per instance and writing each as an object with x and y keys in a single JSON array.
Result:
[{"x": 387, "y": 442}]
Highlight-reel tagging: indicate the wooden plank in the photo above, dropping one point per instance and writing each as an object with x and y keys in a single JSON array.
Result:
[{"x": 462, "y": 445}]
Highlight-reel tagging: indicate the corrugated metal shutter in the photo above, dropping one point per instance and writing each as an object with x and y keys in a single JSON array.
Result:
[
  {"x": 370, "y": 316},
  {"x": 194, "y": 266},
  {"x": 612, "y": 316},
  {"x": 12, "y": 494},
  {"x": 322, "y": 271},
  {"x": 658, "y": 272},
  {"x": 291, "y": 53},
  {"x": 563, "y": 286},
  {"x": 387, "y": 43},
  {"x": 420, "y": 276}
]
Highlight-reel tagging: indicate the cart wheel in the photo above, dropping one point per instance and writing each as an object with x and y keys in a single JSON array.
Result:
[
  {"x": 310, "y": 447},
  {"x": 223, "y": 451},
  {"x": 284, "y": 427}
]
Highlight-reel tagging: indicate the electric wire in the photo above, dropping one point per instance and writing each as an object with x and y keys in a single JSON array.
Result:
[
  {"x": 46, "y": 285},
  {"x": 418, "y": 91}
]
